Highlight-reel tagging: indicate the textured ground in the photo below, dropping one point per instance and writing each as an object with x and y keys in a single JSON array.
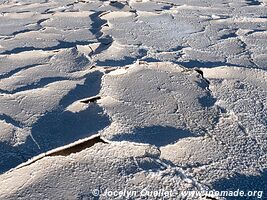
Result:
[{"x": 176, "y": 89}]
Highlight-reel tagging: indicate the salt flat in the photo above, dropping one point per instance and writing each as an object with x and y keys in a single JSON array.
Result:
[{"x": 125, "y": 95}]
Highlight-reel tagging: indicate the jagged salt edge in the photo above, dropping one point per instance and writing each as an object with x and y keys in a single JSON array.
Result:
[{"x": 48, "y": 153}]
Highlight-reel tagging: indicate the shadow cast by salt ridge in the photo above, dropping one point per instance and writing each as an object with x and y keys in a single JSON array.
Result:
[
  {"x": 256, "y": 185},
  {"x": 155, "y": 135},
  {"x": 59, "y": 127}
]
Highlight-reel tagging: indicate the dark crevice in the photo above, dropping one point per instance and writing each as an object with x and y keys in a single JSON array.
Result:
[
  {"x": 97, "y": 25},
  {"x": 208, "y": 100},
  {"x": 253, "y": 2},
  {"x": 61, "y": 45},
  {"x": 167, "y": 7},
  {"x": 67, "y": 150},
  {"x": 91, "y": 100},
  {"x": 41, "y": 21},
  {"x": 105, "y": 43},
  {"x": 78, "y": 147},
  {"x": 202, "y": 75},
  {"x": 204, "y": 64},
  {"x": 229, "y": 35},
  {"x": 117, "y": 4},
  {"x": 90, "y": 88}
]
